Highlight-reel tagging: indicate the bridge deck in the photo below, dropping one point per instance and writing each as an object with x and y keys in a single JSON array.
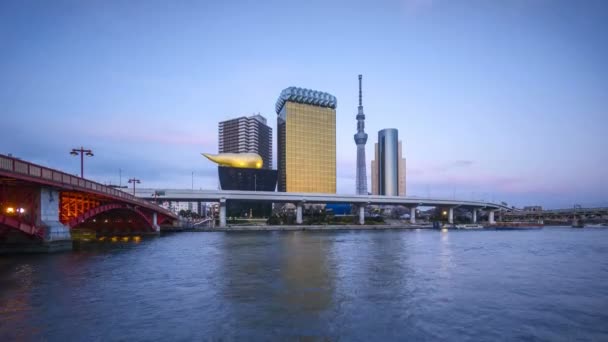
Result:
[{"x": 15, "y": 170}]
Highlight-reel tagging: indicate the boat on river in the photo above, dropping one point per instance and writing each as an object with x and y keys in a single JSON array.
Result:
[
  {"x": 597, "y": 225},
  {"x": 578, "y": 223},
  {"x": 469, "y": 226}
]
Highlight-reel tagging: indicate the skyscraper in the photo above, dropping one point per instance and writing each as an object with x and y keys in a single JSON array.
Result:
[
  {"x": 388, "y": 167},
  {"x": 360, "y": 140},
  {"x": 306, "y": 141},
  {"x": 247, "y": 135},
  {"x": 242, "y": 142}
]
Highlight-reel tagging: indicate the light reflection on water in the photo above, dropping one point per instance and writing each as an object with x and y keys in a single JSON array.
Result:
[{"x": 549, "y": 284}]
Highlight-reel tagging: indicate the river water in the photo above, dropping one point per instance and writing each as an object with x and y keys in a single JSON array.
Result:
[{"x": 539, "y": 285}]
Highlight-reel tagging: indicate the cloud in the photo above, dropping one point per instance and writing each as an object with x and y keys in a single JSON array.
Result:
[
  {"x": 143, "y": 131},
  {"x": 461, "y": 163},
  {"x": 432, "y": 168}
]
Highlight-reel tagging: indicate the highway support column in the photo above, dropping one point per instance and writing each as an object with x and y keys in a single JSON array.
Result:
[
  {"x": 474, "y": 215},
  {"x": 361, "y": 214},
  {"x": 222, "y": 213},
  {"x": 451, "y": 216},
  {"x": 299, "y": 213},
  {"x": 413, "y": 215},
  {"x": 491, "y": 217}
]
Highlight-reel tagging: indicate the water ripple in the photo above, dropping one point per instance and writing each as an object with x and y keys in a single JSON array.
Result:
[{"x": 542, "y": 285}]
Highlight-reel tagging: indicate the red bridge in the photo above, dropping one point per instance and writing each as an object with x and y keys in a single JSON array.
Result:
[{"x": 40, "y": 205}]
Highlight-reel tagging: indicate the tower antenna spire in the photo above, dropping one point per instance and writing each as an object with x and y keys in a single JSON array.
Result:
[{"x": 360, "y": 91}]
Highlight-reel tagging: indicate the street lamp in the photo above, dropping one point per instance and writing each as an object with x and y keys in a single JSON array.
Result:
[
  {"x": 134, "y": 181},
  {"x": 82, "y": 152}
]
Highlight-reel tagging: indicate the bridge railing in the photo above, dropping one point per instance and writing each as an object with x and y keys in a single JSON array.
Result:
[{"x": 18, "y": 166}]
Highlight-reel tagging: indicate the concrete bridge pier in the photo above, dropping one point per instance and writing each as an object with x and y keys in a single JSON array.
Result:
[
  {"x": 55, "y": 231},
  {"x": 491, "y": 217},
  {"x": 155, "y": 225},
  {"x": 451, "y": 216},
  {"x": 55, "y": 235},
  {"x": 299, "y": 213},
  {"x": 474, "y": 215},
  {"x": 222, "y": 213},
  {"x": 413, "y": 215},
  {"x": 362, "y": 214}
]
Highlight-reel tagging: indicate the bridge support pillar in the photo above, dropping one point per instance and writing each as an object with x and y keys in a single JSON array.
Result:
[
  {"x": 56, "y": 233},
  {"x": 362, "y": 214},
  {"x": 474, "y": 215},
  {"x": 56, "y": 236},
  {"x": 413, "y": 215},
  {"x": 451, "y": 216},
  {"x": 491, "y": 217},
  {"x": 155, "y": 222},
  {"x": 222, "y": 213},
  {"x": 299, "y": 213}
]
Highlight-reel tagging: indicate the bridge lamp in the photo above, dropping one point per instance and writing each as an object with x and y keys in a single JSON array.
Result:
[
  {"x": 82, "y": 152},
  {"x": 10, "y": 210},
  {"x": 21, "y": 210},
  {"x": 444, "y": 213},
  {"x": 134, "y": 181}
]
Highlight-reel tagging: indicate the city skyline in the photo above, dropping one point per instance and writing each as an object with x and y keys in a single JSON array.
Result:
[{"x": 515, "y": 113}]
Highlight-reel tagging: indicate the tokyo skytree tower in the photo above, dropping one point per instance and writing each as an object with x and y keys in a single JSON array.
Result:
[{"x": 360, "y": 140}]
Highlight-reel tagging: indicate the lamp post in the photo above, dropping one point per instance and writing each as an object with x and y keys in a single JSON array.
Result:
[
  {"x": 82, "y": 152},
  {"x": 134, "y": 181}
]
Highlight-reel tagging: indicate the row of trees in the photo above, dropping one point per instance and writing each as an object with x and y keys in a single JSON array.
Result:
[{"x": 189, "y": 214}]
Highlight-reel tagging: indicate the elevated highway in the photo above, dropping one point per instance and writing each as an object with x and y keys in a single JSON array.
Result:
[{"x": 299, "y": 199}]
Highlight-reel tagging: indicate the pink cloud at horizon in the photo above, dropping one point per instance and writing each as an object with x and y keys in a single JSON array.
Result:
[{"x": 160, "y": 133}]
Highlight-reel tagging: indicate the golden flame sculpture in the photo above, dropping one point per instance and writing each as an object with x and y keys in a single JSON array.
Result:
[{"x": 240, "y": 160}]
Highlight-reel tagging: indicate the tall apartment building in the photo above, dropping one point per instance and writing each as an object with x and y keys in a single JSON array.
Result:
[
  {"x": 306, "y": 141},
  {"x": 247, "y": 134}
]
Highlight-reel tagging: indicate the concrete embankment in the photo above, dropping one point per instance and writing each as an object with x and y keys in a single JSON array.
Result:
[{"x": 299, "y": 228}]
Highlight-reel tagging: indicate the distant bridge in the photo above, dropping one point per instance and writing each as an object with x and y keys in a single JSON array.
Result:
[
  {"x": 299, "y": 199},
  {"x": 564, "y": 215},
  {"x": 45, "y": 204}
]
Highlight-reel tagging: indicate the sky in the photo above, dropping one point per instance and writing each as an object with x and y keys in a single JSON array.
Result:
[{"x": 502, "y": 100}]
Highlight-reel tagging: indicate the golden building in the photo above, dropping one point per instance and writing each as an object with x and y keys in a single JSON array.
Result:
[{"x": 306, "y": 139}]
